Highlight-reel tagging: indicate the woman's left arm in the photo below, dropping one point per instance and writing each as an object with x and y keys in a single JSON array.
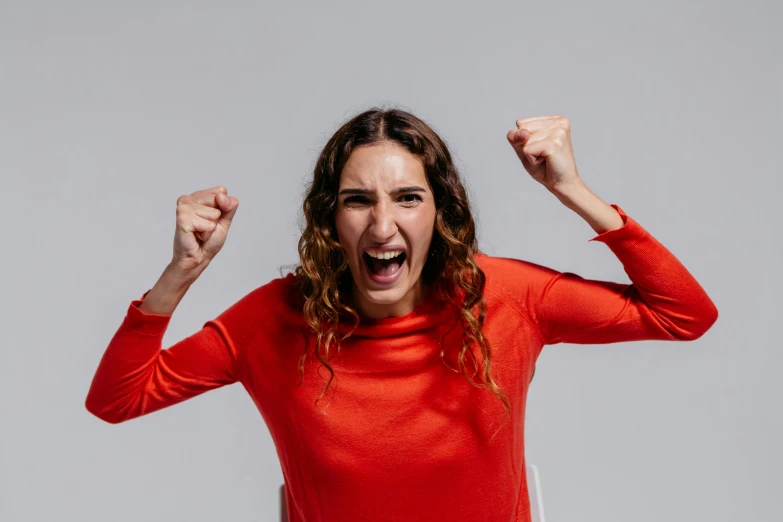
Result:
[{"x": 663, "y": 301}]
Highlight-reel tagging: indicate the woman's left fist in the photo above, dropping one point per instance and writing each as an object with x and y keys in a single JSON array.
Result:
[{"x": 543, "y": 144}]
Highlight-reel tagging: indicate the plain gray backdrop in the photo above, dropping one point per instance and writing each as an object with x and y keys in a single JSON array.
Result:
[{"x": 109, "y": 111}]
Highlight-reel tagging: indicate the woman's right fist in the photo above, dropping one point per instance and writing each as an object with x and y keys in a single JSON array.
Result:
[{"x": 203, "y": 220}]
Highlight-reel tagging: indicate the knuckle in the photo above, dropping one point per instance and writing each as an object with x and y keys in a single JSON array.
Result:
[{"x": 208, "y": 213}]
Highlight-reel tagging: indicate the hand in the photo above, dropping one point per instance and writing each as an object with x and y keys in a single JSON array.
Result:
[
  {"x": 543, "y": 144},
  {"x": 203, "y": 220}
]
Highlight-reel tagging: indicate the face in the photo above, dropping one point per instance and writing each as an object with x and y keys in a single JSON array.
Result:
[{"x": 385, "y": 219}]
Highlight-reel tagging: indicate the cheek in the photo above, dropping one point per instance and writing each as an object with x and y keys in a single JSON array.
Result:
[
  {"x": 420, "y": 232},
  {"x": 348, "y": 231}
]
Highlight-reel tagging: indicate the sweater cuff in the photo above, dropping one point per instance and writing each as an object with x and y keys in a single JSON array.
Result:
[
  {"x": 145, "y": 323},
  {"x": 630, "y": 229}
]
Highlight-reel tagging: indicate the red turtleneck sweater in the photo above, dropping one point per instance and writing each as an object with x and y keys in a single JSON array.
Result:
[{"x": 399, "y": 436}]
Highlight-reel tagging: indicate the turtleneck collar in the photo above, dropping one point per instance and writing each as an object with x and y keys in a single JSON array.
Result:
[
  {"x": 431, "y": 312},
  {"x": 390, "y": 345}
]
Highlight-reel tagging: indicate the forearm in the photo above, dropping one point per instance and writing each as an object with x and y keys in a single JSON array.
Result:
[
  {"x": 598, "y": 214},
  {"x": 168, "y": 291}
]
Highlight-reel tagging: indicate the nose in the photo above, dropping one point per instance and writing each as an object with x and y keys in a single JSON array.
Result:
[{"x": 383, "y": 225}]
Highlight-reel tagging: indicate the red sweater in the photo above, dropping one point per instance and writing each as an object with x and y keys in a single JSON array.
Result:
[{"x": 399, "y": 436}]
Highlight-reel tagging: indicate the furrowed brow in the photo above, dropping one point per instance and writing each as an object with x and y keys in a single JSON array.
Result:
[
  {"x": 364, "y": 192},
  {"x": 408, "y": 189},
  {"x": 355, "y": 191}
]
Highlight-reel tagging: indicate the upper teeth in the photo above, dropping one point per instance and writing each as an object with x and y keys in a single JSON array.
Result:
[{"x": 384, "y": 255}]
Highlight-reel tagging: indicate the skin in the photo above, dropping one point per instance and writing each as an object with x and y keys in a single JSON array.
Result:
[
  {"x": 543, "y": 145},
  {"x": 385, "y": 215}
]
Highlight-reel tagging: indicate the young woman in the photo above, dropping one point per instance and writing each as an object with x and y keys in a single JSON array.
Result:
[{"x": 425, "y": 345}]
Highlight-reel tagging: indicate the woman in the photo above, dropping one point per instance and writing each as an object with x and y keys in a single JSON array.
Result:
[{"x": 426, "y": 345}]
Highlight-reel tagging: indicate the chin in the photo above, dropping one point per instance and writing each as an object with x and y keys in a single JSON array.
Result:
[{"x": 386, "y": 296}]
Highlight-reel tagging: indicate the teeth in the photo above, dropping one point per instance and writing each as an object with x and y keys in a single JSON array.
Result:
[{"x": 384, "y": 255}]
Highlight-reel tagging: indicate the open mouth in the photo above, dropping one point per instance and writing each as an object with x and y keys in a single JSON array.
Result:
[{"x": 383, "y": 267}]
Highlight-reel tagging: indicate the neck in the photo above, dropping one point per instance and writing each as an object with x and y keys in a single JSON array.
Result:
[{"x": 404, "y": 306}]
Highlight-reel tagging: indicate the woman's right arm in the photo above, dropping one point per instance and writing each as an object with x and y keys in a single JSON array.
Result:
[{"x": 135, "y": 375}]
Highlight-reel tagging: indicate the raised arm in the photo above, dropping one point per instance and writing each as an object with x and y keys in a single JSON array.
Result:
[
  {"x": 136, "y": 376},
  {"x": 664, "y": 301}
]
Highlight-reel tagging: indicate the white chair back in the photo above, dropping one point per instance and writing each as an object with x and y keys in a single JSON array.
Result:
[{"x": 534, "y": 492}]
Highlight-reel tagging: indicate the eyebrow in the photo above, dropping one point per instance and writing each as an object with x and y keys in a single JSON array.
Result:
[{"x": 364, "y": 192}]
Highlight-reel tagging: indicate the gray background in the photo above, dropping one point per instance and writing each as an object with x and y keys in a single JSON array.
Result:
[{"x": 109, "y": 112}]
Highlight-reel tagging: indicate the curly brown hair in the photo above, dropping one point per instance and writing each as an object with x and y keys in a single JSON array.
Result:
[{"x": 323, "y": 274}]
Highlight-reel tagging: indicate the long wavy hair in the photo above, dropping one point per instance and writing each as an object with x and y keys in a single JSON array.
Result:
[{"x": 323, "y": 273}]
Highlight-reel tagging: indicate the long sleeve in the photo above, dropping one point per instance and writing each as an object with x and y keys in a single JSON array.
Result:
[
  {"x": 136, "y": 376},
  {"x": 662, "y": 302}
]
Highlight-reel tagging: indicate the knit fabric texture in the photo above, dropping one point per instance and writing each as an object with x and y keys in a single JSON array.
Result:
[{"x": 401, "y": 435}]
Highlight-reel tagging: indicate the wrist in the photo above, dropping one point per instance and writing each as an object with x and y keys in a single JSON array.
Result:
[
  {"x": 570, "y": 193},
  {"x": 179, "y": 276}
]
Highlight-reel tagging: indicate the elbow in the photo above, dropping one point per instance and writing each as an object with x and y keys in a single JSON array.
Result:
[
  {"x": 703, "y": 322},
  {"x": 100, "y": 411}
]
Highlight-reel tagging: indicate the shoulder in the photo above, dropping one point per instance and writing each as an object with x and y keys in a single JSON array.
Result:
[
  {"x": 278, "y": 289},
  {"x": 512, "y": 284},
  {"x": 273, "y": 299},
  {"x": 517, "y": 282},
  {"x": 509, "y": 274}
]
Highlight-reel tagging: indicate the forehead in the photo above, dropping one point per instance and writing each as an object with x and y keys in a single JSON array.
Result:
[{"x": 385, "y": 163}]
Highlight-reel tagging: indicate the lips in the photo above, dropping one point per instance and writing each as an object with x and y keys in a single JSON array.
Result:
[{"x": 387, "y": 248}]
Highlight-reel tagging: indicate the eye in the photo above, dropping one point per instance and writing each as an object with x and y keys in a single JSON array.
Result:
[
  {"x": 411, "y": 198},
  {"x": 355, "y": 200}
]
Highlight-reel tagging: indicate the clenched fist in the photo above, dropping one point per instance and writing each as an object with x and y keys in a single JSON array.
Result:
[
  {"x": 203, "y": 220},
  {"x": 543, "y": 143}
]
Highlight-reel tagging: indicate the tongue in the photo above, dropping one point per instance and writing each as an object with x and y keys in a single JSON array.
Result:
[{"x": 386, "y": 267}]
